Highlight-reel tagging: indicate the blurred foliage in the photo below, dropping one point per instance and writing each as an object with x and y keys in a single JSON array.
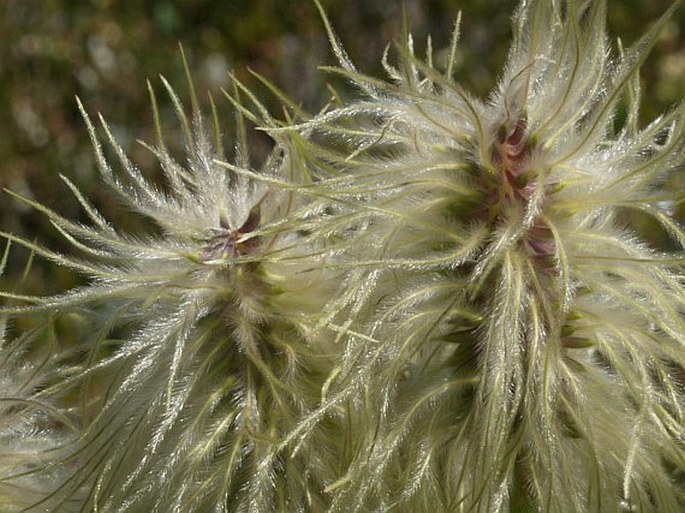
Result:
[{"x": 104, "y": 50}]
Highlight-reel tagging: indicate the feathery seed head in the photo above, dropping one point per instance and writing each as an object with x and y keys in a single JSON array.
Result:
[
  {"x": 25, "y": 432},
  {"x": 31, "y": 425},
  {"x": 205, "y": 364},
  {"x": 488, "y": 257}
]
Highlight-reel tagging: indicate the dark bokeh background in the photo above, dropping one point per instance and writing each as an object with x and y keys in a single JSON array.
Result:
[{"x": 104, "y": 50}]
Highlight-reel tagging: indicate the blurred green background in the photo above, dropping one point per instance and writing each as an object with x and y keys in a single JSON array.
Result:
[{"x": 104, "y": 50}]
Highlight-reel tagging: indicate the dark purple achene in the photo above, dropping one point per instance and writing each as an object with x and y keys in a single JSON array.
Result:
[
  {"x": 511, "y": 156},
  {"x": 225, "y": 242}
]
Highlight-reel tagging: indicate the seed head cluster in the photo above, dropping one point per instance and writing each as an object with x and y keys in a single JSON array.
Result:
[{"x": 421, "y": 301}]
